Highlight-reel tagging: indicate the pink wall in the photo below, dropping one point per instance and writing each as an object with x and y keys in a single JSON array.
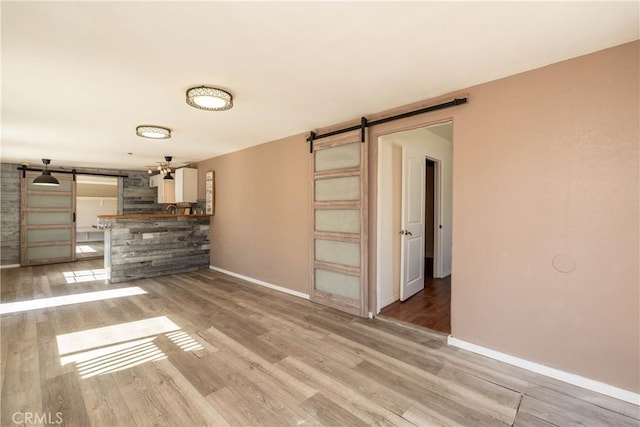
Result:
[
  {"x": 545, "y": 163},
  {"x": 260, "y": 228}
]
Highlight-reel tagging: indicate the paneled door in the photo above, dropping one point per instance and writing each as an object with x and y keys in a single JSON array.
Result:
[
  {"x": 413, "y": 222},
  {"x": 48, "y": 233},
  {"x": 339, "y": 207}
]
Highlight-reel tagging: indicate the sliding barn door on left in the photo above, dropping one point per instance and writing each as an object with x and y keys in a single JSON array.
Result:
[{"x": 47, "y": 232}]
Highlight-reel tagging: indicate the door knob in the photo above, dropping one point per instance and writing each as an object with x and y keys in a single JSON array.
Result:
[{"x": 406, "y": 233}]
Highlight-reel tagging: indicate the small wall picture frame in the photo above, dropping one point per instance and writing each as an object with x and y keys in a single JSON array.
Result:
[{"x": 210, "y": 189}]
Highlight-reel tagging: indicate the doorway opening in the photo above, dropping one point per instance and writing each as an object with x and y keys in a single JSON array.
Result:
[
  {"x": 95, "y": 195},
  {"x": 414, "y": 226},
  {"x": 429, "y": 223}
]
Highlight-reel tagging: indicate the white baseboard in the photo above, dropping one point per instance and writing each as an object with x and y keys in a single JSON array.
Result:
[
  {"x": 261, "y": 283},
  {"x": 9, "y": 266},
  {"x": 389, "y": 300},
  {"x": 597, "y": 386}
]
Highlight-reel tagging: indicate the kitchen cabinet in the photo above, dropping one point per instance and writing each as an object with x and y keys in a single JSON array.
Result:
[
  {"x": 166, "y": 188},
  {"x": 153, "y": 180},
  {"x": 186, "y": 185},
  {"x": 182, "y": 189}
]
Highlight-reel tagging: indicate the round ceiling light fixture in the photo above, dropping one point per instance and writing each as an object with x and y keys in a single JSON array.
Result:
[
  {"x": 154, "y": 132},
  {"x": 209, "y": 98}
]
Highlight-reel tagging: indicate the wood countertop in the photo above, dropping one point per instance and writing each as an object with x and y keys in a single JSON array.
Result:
[{"x": 153, "y": 216}]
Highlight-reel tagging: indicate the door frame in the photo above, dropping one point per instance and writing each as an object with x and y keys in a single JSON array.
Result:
[
  {"x": 438, "y": 250},
  {"x": 380, "y": 252}
]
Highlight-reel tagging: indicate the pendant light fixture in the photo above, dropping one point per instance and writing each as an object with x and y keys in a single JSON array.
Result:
[
  {"x": 153, "y": 132},
  {"x": 46, "y": 178},
  {"x": 209, "y": 98},
  {"x": 168, "y": 174}
]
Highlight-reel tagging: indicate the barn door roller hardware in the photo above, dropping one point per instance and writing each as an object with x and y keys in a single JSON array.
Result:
[
  {"x": 364, "y": 123},
  {"x": 74, "y": 172}
]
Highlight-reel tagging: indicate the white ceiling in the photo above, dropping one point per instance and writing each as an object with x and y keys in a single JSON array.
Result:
[{"x": 78, "y": 77}]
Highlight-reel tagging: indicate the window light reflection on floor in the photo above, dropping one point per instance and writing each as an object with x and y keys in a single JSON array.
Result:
[
  {"x": 117, "y": 347},
  {"x": 114, "y": 334},
  {"x": 18, "y": 306},
  {"x": 184, "y": 341},
  {"x": 114, "y": 358},
  {"x": 80, "y": 276},
  {"x": 84, "y": 249}
]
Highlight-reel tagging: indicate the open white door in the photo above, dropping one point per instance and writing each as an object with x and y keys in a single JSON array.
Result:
[{"x": 413, "y": 217}]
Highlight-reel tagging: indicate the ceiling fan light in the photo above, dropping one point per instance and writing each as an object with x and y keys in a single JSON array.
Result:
[
  {"x": 153, "y": 132},
  {"x": 209, "y": 98}
]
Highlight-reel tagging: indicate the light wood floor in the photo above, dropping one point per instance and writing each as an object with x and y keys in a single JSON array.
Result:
[{"x": 207, "y": 349}]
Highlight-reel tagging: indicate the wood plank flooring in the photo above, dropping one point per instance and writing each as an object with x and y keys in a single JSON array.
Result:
[
  {"x": 202, "y": 348},
  {"x": 429, "y": 308}
]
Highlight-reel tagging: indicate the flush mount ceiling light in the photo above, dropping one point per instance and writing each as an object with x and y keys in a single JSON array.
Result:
[
  {"x": 46, "y": 178},
  {"x": 209, "y": 98},
  {"x": 154, "y": 132}
]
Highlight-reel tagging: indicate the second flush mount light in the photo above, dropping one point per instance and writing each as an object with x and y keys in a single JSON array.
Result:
[
  {"x": 154, "y": 132},
  {"x": 209, "y": 98},
  {"x": 202, "y": 97}
]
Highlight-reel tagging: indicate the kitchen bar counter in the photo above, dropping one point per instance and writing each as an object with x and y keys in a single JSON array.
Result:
[
  {"x": 140, "y": 246},
  {"x": 152, "y": 216}
]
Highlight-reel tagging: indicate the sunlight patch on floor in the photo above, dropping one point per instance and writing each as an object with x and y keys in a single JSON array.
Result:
[
  {"x": 80, "y": 276},
  {"x": 114, "y": 334},
  {"x": 114, "y": 358},
  {"x": 84, "y": 249},
  {"x": 117, "y": 347},
  {"x": 15, "y": 307},
  {"x": 185, "y": 341}
]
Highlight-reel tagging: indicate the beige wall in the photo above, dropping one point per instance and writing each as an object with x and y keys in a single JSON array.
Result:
[
  {"x": 88, "y": 208},
  {"x": 260, "y": 228},
  {"x": 545, "y": 163},
  {"x": 96, "y": 190}
]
